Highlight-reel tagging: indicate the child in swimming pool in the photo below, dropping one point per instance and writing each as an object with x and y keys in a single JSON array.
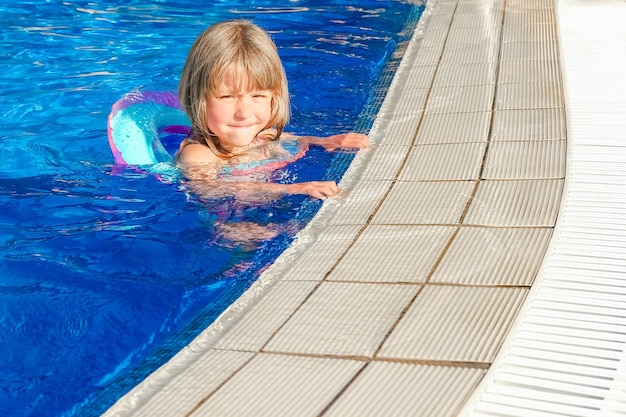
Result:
[{"x": 234, "y": 90}]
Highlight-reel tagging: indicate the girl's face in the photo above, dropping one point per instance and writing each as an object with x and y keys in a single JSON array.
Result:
[{"x": 237, "y": 115}]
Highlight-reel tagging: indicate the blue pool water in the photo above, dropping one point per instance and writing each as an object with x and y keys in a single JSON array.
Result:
[{"x": 106, "y": 273}]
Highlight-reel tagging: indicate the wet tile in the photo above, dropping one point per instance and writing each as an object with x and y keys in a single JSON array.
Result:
[
  {"x": 536, "y": 32},
  {"x": 344, "y": 319},
  {"x": 545, "y": 50},
  {"x": 179, "y": 391},
  {"x": 526, "y": 160},
  {"x": 465, "y": 75},
  {"x": 454, "y": 128},
  {"x": 316, "y": 250},
  {"x": 470, "y": 54},
  {"x": 490, "y": 18},
  {"x": 516, "y": 203},
  {"x": 452, "y": 323},
  {"x": 425, "y": 203},
  {"x": 258, "y": 322},
  {"x": 394, "y": 129},
  {"x": 356, "y": 205},
  {"x": 398, "y": 389},
  {"x": 538, "y": 95},
  {"x": 528, "y": 125},
  {"x": 380, "y": 254},
  {"x": 475, "y": 98},
  {"x": 452, "y": 161},
  {"x": 386, "y": 162},
  {"x": 474, "y": 35},
  {"x": 493, "y": 256},
  {"x": 434, "y": 37},
  {"x": 531, "y": 71},
  {"x": 414, "y": 77},
  {"x": 530, "y": 16},
  {"x": 280, "y": 385}
]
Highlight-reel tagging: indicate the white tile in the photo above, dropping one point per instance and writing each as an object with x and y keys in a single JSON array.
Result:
[
  {"x": 425, "y": 203},
  {"x": 256, "y": 324},
  {"x": 459, "y": 75},
  {"x": 398, "y": 390},
  {"x": 530, "y": 16},
  {"x": 434, "y": 37},
  {"x": 319, "y": 249},
  {"x": 343, "y": 319},
  {"x": 533, "y": 124},
  {"x": 538, "y": 95},
  {"x": 526, "y": 160},
  {"x": 530, "y": 51},
  {"x": 470, "y": 54},
  {"x": 380, "y": 254},
  {"x": 424, "y": 56},
  {"x": 516, "y": 203},
  {"x": 452, "y": 323},
  {"x": 454, "y": 128},
  {"x": 414, "y": 77},
  {"x": 451, "y": 161},
  {"x": 474, "y": 35},
  {"x": 386, "y": 162},
  {"x": 493, "y": 256},
  {"x": 410, "y": 101},
  {"x": 280, "y": 385},
  {"x": 531, "y": 71},
  {"x": 394, "y": 129},
  {"x": 535, "y": 32},
  {"x": 358, "y": 204},
  {"x": 474, "y": 98},
  {"x": 183, "y": 391},
  {"x": 484, "y": 19}
]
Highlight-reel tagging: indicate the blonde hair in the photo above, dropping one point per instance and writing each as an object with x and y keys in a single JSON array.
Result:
[{"x": 248, "y": 51}]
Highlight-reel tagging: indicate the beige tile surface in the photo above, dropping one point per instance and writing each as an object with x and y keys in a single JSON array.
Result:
[
  {"x": 516, "y": 203},
  {"x": 454, "y": 324},
  {"x": 526, "y": 160},
  {"x": 343, "y": 319},
  {"x": 178, "y": 398},
  {"x": 454, "y": 128},
  {"x": 401, "y": 389},
  {"x": 280, "y": 385},
  {"x": 493, "y": 256},
  {"x": 425, "y": 203},
  {"x": 380, "y": 253},
  {"x": 450, "y": 161},
  {"x": 262, "y": 320}
]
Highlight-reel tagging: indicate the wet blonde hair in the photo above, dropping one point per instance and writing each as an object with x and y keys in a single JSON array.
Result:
[{"x": 243, "y": 49}]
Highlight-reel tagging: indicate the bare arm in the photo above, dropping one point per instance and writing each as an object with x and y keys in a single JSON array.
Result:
[
  {"x": 203, "y": 181},
  {"x": 342, "y": 140}
]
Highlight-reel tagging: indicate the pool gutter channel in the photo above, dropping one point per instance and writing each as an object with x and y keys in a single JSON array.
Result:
[{"x": 433, "y": 285}]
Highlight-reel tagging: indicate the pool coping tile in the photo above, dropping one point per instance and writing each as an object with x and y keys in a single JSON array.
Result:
[{"x": 343, "y": 319}]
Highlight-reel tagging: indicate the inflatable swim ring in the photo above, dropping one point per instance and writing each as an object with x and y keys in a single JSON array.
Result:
[{"x": 138, "y": 118}]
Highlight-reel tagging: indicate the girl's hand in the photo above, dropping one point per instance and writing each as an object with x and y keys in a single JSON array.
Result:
[
  {"x": 316, "y": 189},
  {"x": 343, "y": 140}
]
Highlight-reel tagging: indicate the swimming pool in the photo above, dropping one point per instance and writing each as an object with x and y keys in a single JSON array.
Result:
[{"x": 106, "y": 273}]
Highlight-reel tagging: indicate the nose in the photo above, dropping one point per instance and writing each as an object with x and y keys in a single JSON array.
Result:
[{"x": 243, "y": 109}]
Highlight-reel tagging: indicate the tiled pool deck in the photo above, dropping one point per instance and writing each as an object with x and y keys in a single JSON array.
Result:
[{"x": 474, "y": 263}]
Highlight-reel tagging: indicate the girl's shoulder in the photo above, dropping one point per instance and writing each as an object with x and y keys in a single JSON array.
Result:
[{"x": 194, "y": 152}]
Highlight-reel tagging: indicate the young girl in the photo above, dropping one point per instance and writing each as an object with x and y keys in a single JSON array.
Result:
[{"x": 234, "y": 90}]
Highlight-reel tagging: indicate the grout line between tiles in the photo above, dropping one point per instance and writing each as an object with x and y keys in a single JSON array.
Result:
[{"x": 218, "y": 387}]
